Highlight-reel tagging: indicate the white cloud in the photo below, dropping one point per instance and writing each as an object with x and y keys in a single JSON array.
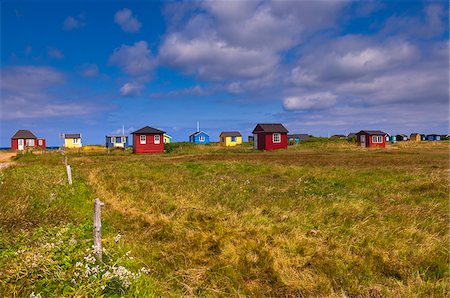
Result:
[
  {"x": 131, "y": 89},
  {"x": 212, "y": 59},
  {"x": 314, "y": 101},
  {"x": 133, "y": 60},
  {"x": 26, "y": 94},
  {"x": 54, "y": 53},
  {"x": 71, "y": 23},
  {"x": 240, "y": 40},
  {"x": 127, "y": 21}
]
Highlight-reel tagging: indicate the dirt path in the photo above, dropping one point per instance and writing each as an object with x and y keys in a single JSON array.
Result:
[{"x": 5, "y": 159}]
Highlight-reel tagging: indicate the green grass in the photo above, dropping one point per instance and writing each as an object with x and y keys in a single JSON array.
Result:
[{"x": 323, "y": 218}]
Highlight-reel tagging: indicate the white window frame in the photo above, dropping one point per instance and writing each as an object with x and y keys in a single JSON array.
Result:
[
  {"x": 40, "y": 142},
  {"x": 142, "y": 139},
  {"x": 30, "y": 143},
  {"x": 75, "y": 141},
  {"x": 201, "y": 139},
  {"x": 274, "y": 135},
  {"x": 157, "y": 139},
  {"x": 113, "y": 140},
  {"x": 124, "y": 139},
  {"x": 377, "y": 139}
]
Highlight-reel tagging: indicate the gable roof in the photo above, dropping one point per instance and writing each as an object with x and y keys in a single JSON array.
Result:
[
  {"x": 270, "y": 127},
  {"x": 198, "y": 132},
  {"x": 166, "y": 135},
  {"x": 372, "y": 132},
  {"x": 351, "y": 135},
  {"x": 72, "y": 135},
  {"x": 231, "y": 134},
  {"x": 23, "y": 134},
  {"x": 148, "y": 129}
]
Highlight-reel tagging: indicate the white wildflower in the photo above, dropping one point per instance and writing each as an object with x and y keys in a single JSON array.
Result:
[{"x": 117, "y": 238}]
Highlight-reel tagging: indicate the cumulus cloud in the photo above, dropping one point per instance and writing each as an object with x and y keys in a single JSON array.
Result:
[
  {"x": 239, "y": 40},
  {"x": 54, "y": 53},
  {"x": 125, "y": 19},
  {"x": 212, "y": 59},
  {"x": 314, "y": 101},
  {"x": 137, "y": 62},
  {"x": 71, "y": 23},
  {"x": 133, "y": 60},
  {"x": 26, "y": 94}
]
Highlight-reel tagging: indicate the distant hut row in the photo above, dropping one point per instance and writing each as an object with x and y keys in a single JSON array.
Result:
[{"x": 266, "y": 136}]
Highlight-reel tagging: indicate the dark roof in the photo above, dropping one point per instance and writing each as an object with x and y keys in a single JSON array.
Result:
[
  {"x": 198, "y": 132},
  {"x": 351, "y": 135},
  {"x": 231, "y": 134},
  {"x": 72, "y": 135},
  {"x": 338, "y": 136},
  {"x": 23, "y": 134},
  {"x": 372, "y": 132},
  {"x": 108, "y": 136},
  {"x": 148, "y": 129},
  {"x": 301, "y": 136},
  {"x": 270, "y": 127}
]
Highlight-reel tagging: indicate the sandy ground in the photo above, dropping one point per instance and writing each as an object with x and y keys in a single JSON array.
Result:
[{"x": 5, "y": 159}]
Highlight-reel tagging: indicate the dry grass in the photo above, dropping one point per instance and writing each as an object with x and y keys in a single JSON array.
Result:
[{"x": 318, "y": 219}]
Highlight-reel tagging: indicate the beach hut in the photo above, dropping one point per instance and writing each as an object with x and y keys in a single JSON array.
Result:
[
  {"x": 167, "y": 139},
  {"x": 340, "y": 137},
  {"x": 24, "y": 139},
  {"x": 415, "y": 137},
  {"x": 117, "y": 141},
  {"x": 270, "y": 136},
  {"x": 433, "y": 137},
  {"x": 371, "y": 138},
  {"x": 351, "y": 135},
  {"x": 298, "y": 137},
  {"x": 199, "y": 137},
  {"x": 148, "y": 140},
  {"x": 72, "y": 140},
  {"x": 401, "y": 137},
  {"x": 230, "y": 138}
]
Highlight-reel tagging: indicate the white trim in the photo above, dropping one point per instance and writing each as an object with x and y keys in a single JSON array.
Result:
[
  {"x": 40, "y": 142},
  {"x": 377, "y": 139},
  {"x": 75, "y": 140},
  {"x": 201, "y": 138},
  {"x": 157, "y": 139},
  {"x": 142, "y": 139},
  {"x": 279, "y": 137}
]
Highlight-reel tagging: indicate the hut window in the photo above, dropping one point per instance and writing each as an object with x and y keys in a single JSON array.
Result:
[
  {"x": 143, "y": 139},
  {"x": 157, "y": 139},
  {"x": 40, "y": 142},
  {"x": 377, "y": 139},
  {"x": 124, "y": 139},
  {"x": 75, "y": 141},
  {"x": 201, "y": 138},
  {"x": 30, "y": 142},
  {"x": 233, "y": 139},
  {"x": 276, "y": 138},
  {"x": 113, "y": 140}
]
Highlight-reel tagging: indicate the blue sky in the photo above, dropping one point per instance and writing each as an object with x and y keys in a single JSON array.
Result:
[{"x": 319, "y": 67}]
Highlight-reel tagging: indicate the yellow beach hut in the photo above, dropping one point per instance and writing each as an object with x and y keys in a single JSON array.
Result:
[
  {"x": 415, "y": 137},
  {"x": 72, "y": 140},
  {"x": 230, "y": 138}
]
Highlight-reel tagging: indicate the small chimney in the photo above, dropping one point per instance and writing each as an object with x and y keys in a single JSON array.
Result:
[{"x": 198, "y": 126}]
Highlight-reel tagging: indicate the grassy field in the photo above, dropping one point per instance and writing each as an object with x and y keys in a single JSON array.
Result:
[{"x": 324, "y": 218}]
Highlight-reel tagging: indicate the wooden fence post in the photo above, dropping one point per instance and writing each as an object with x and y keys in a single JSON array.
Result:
[
  {"x": 69, "y": 174},
  {"x": 65, "y": 160},
  {"x": 98, "y": 229}
]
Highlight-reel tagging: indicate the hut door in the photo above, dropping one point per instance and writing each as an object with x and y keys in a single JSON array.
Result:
[
  {"x": 363, "y": 140},
  {"x": 255, "y": 141},
  {"x": 20, "y": 144}
]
